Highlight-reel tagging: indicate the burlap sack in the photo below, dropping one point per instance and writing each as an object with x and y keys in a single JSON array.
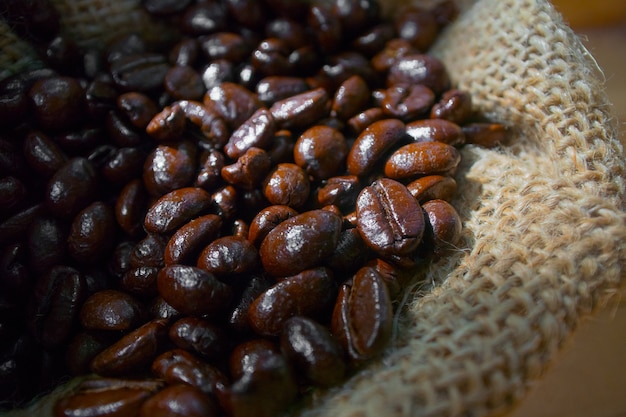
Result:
[{"x": 545, "y": 230}]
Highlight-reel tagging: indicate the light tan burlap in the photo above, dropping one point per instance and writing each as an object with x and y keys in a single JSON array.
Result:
[{"x": 545, "y": 230}]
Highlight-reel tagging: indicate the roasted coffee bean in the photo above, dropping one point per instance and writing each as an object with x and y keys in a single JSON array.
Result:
[
  {"x": 14, "y": 227},
  {"x": 55, "y": 304},
  {"x": 46, "y": 239},
  {"x": 179, "y": 400},
  {"x": 57, "y": 102},
  {"x": 436, "y": 130},
  {"x": 160, "y": 309},
  {"x": 42, "y": 154},
  {"x": 249, "y": 355},
  {"x": 92, "y": 234},
  {"x": 310, "y": 293},
  {"x": 422, "y": 158},
  {"x": 176, "y": 208},
  {"x": 141, "y": 281},
  {"x": 229, "y": 255},
  {"x": 180, "y": 366},
  {"x": 274, "y": 88},
  {"x": 257, "y": 131},
  {"x": 454, "y": 105},
  {"x": 192, "y": 290},
  {"x": 282, "y": 147},
  {"x": 131, "y": 207},
  {"x": 84, "y": 347},
  {"x": 373, "y": 39},
  {"x": 300, "y": 242},
  {"x": 351, "y": 97},
  {"x": 417, "y": 25},
  {"x": 106, "y": 397},
  {"x": 394, "y": 49},
  {"x": 15, "y": 277},
  {"x": 486, "y": 135},
  {"x": 302, "y": 109},
  {"x": 123, "y": 165},
  {"x": 340, "y": 191},
  {"x": 169, "y": 167},
  {"x": 289, "y": 30},
  {"x": 267, "y": 219},
  {"x": 249, "y": 169},
  {"x": 224, "y": 202},
  {"x": 233, "y": 102},
  {"x": 359, "y": 122},
  {"x": 209, "y": 175},
  {"x": 432, "y": 187},
  {"x": 138, "y": 108},
  {"x": 142, "y": 72},
  {"x": 217, "y": 72},
  {"x": 372, "y": 144},
  {"x": 119, "y": 263},
  {"x": 321, "y": 151},
  {"x": 287, "y": 184},
  {"x": 271, "y": 57},
  {"x": 204, "y": 18},
  {"x": 419, "y": 69},
  {"x": 315, "y": 354},
  {"x": 13, "y": 101},
  {"x": 185, "y": 52},
  {"x": 71, "y": 188},
  {"x": 184, "y": 83},
  {"x": 445, "y": 224},
  {"x": 238, "y": 321},
  {"x": 169, "y": 124},
  {"x": 351, "y": 252},
  {"x": 407, "y": 102},
  {"x": 148, "y": 251},
  {"x": 200, "y": 336},
  {"x": 186, "y": 243},
  {"x": 388, "y": 217},
  {"x": 111, "y": 310},
  {"x": 134, "y": 352}
]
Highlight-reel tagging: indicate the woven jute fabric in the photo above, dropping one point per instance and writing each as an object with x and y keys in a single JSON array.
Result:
[{"x": 544, "y": 226}]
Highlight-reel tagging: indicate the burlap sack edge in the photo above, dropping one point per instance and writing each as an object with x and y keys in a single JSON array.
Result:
[{"x": 544, "y": 226}]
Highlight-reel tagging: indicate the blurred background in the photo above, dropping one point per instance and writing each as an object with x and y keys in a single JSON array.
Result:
[{"x": 588, "y": 378}]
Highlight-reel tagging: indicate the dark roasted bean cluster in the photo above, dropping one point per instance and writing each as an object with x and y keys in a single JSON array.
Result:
[{"x": 218, "y": 224}]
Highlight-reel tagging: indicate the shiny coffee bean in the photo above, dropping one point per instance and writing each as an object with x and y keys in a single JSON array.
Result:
[
  {"x": 418, "y": 26},
  {"x": 111, "y": 310},
  {"x": 237, "y": 320},
  {"x": 209, "y": 175},
  {"x": 287, "y": 184},
  {"x": 92, "y": 234},
  {"x": 372, "y": 144},
  {"x": 46, "y": 238},
  {"x": 42, "y": 154},
  {"x": 419, "y": 69},
  {"x": 184, "y": 83},
  {"x": 267, "y": 219},
  {"x": 185, "y": 52},
  {"x": 131, "y": 207},
  {"x": 316, "y": 355},
  {"x": 138, "y": 108},
  {"x": 407, "y": 102},
  {"x": 310, "y": 293},
  {"x": 169, "y": 167},
  {"x": 301, "y": 110},
  {"x": 199, "y": 336},
  {"x": 340, "y": 191},
  {"x": 388, "y": 217},
  {"x": 432, "y": 187},
  {"x": 257, "y": 131},
  {"x": 273, "y": 88},
  {"x": 454, "y": 105},
  {"x": 422, "y": 158},
  {"x": 233, "y": 102},
  {"x": 179, "y": 366},
  {"x": 351, "y": 97},
  {"x": 148, "y": 251},
  {"x": 140, "y": 281},
  {"x": 249, "y": 169},
  {"x": 224, "y": 202},
  {"x": 204, "y": 18},
  {"x": 249, "y": 355},
  {"x": 207, "y": 118},
  {"x": 83, "y": 347},
  {"x": 229, "y": 255},
  {"x": 72, "y": 188},
  {"x": 176, "y": 208},
  {"x": 134, "y": 352},
  {"x": 141, "y": 72},
  {"x": 188, "y": 241},
  {"x": 192, "y": 290},
  {"x": 123, "y": 165},
  {"x": 486, "y": 135},
  {"x": 320, "y": 151},
  {"x": 445, "y": 224},
  {"x": 436, "y": 130},
  {"x": 300, "y": 242},
  {"x": 359, "y": 122},
  {"x": 57, "y": 102},
  {"x": 271, "y": 57},
  {"x": 179, "y": 400},
  {"x": 351, "y": 252}
]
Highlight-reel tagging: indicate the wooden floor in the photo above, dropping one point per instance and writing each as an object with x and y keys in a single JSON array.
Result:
[{"x": 588, "y": 378}]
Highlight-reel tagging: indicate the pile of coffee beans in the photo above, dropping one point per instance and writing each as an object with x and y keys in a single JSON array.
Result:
[{"x": 221, "y": 223}]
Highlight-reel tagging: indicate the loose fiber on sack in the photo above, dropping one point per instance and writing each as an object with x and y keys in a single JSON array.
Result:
[{"x": 545, "y": 227}]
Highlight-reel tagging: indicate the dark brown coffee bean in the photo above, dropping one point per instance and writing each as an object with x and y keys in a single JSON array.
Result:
[
  {"x": 141, "y": 72},
  {"x": 418, "y": 26},
  {"x": 249, "y": 169},
  {"x": 192, "y": 290},
  {"x": 123, "y": 165},
  {"x": 133, "y": 352},
  {"x": 111, "y": 310},
  {"x": 187, "y": 242},
  {"x": 394, "y": 49},
  {"x": 233, "y": 102},
  {"x": 351, "y": 252},
  {"x": 119, "y": 399},
  {"x": 229, "y": 46},
  {"x": 325, "y": 26},
  {"x": 176, "y": 208},
  {"x": 351, "y": 97},
  {"x": 42, "y": 154},
  {"x": 436, "y": 130},
  {"x": 55, "y": 305},
  {"x": 185, "y": 52},
  {"x": 432, "y": 187},
  {"x": 13, "y": 101},
  {"x": 267, "y": 219},
  {"x": 209, "y": 175},
  {"x": 320, "y": 151},
  {"x": 92, "y": 234},
  {"x": 370, "y": 312},
  {"x": 211, "y": 123},
  {"x": 454, "y": 105},
  {"x": 445, "y": 226},
  {"x": 204, "y": 18},
  {"x": 100, "y": 96},
  {"x": 271, "y": 57},
  {"x": 224, "y": 202},
  {"x": 179, "y": 366},
  {"x": 281, "y": 150},
  {"x": 140, "y": 281},
  {"x": 57, "y": 103},
  {"x": 315, "y": 354},
  {"x": 81, "y": 141},
  {"x": 310, "y": 293},
  {"x": 300, "y": 242},
  {"x": 340, "y": 191},
  {"x": 179, "y": 400},
  {"x": 14, "y": 227},
  {"x": 301, "y": 110},
  {"x": 169, "y": 167},
  {"x": 249, "y": 355},
  {"x": 407, "y": 102},
  {"x": 83, "y": 347},
  {"x": 149, "y": 251},
  {"x": 372, "y": 144},
  {"x": 487, "y": 135},
  {"x": 131, "y": 207},
  {"x": 168, "y": 124},
  {"x": 287, "y": 184},
  {"x": 419, "y": 69},
  {"x": 229, "y": 255},
  {"x": 388, "y": 217},
  {"x": 200, "y": 336},
  {"x": 257, "y": 131},
  {"x": 71, "y": 188},
  {"x": 138, "y": 108},
  {"x": 160, "y": 309},
  {"x": 274, "y": 88},
  {"x": 184, "y": 83},
  {"x": 359, "y": 122},
  {"x": 422, "y": 158},
  {"x": 46, "y": 237},
  {"x": 373, "y": 39}
]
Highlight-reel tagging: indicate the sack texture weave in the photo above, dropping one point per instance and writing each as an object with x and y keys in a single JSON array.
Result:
[{"x": 544, "y": 222}]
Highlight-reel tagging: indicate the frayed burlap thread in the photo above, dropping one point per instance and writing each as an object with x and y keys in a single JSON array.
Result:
[
  {"x": 544, "y": 226},
  {"x": 16, "y": 55}
]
